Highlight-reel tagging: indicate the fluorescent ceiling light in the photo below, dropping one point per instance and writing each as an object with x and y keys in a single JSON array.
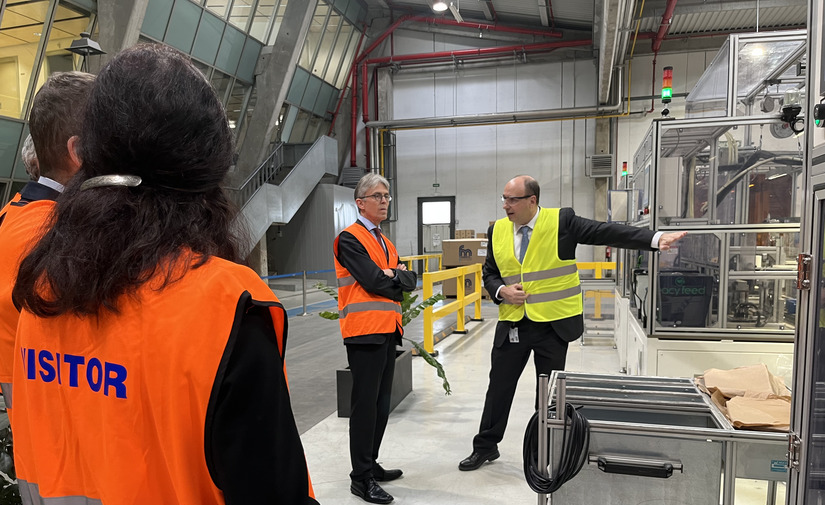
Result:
[
  {"x": 455, "y": 12},
  {"x": 439, "y": 6}
]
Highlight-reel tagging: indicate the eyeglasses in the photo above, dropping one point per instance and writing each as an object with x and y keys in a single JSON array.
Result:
[
  {"x": 378, "y": 197},
  {"x": 511, "y": 200}
]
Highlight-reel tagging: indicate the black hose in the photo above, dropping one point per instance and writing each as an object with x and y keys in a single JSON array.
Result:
[{"x": 575, "y": 446}]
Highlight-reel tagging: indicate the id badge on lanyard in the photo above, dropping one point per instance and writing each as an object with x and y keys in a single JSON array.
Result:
[{"x": 513, "y": 334}]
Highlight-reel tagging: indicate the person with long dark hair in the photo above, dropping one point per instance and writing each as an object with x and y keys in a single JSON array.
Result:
[{"x": 150, "y": 364}]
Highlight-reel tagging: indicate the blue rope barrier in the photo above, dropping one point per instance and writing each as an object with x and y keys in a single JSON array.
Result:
[{"x": 297, "y": 274}]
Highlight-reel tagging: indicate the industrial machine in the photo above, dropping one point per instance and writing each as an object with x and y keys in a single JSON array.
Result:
[
  {"x": 732, "y": 176},
  {"x": 652, "y": 440}
]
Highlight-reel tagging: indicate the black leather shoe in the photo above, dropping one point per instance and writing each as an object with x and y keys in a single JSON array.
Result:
[
  {"x": 476, "y": 459},
  {"x": 382, "y": 475},
  {"x": 369, "y": 491}
]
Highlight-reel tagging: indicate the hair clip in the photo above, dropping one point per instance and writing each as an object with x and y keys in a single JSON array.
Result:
[{"x": 111, "y": 180}]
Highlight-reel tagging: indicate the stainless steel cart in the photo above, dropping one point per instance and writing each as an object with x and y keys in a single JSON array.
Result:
[{"x": 653, "y": 440}]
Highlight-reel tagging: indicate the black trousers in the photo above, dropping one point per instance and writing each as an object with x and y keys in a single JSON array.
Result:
[
  {"x": 507, "y": 363},
  {"x": 372, "y": 367}
]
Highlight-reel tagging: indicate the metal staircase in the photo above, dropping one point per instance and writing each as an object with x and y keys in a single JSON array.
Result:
[{"x": 264, "y": 203}]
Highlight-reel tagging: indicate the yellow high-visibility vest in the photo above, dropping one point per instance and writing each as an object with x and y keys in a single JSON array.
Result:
[{"x": 552, "y": 284}]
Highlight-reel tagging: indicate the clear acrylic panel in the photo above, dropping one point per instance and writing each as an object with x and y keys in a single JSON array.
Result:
[
  {"x": 709, "y": 96},
  {"x": 729, "y": 174},
  {"x": 815, "y": 439},
  {"x": 729, "y": 281},
  {"x": 757, "y": 60}
]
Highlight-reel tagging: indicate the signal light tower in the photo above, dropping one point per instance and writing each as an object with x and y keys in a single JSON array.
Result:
[{"x": 667, "y": 89}]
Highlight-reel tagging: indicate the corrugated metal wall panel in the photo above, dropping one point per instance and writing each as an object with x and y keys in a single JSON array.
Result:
[{"x": 714, "y": 20}]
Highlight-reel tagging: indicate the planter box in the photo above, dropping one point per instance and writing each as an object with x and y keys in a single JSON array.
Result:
[{"x": 401, "y": 383}]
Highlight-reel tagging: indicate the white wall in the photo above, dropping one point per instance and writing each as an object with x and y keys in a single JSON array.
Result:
[
  {"x": 474, "y": 163},
  {"x": 305, "y": 243}
]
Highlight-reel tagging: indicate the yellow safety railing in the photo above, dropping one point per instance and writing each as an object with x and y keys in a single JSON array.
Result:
[
  {"x": 426, "y": 257},
  {"x": 462, "y": 299},
  {"x": 598, "y": 267}
]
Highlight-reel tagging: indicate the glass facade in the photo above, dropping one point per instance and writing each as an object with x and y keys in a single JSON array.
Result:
[
  {"x": 34, "y": 36},
  {"x": 224, "y": 38},
  {"x": 323, "y": 67}
]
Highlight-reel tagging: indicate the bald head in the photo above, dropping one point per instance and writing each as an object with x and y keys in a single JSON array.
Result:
[{"x": 521, "y": 199}]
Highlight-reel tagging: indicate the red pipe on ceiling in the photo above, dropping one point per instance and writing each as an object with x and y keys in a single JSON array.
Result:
[
  {"x": 365, "y": 85},
  {"x": 353, "y": 118},
  {"x": 480, "y": 52},
  {"x": 472, "y": 53},
  {"x": 664, "y": 25},
  {"x": 487, "y": 26}
]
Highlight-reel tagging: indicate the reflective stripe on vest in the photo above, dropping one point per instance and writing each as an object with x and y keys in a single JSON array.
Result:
[
  {"x": 552, "y": 284},
  {"x": 30, "y": 495},
  {"x": 557, "y": 295},
  {"x": 346, "y": 281},
  {"x": 359, "y": 311},
  {"x": 368, "y": 306},
  {"x": 541, "y": 275}
]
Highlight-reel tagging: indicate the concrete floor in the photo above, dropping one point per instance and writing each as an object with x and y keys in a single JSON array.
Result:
[{"x": 428, "y": 433}]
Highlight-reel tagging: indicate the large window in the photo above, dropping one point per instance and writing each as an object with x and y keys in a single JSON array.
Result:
[
  {"x": 326, "y": 57},
  {"x": 34, "y": 36},
  {"x": 329, "y": 47}
]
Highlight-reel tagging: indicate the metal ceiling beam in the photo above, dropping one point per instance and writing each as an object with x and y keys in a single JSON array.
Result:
[
  {"x": 611, "y": 22},
  {"x": 693, "y": 7},
  {"x": 488, "y": 9}
]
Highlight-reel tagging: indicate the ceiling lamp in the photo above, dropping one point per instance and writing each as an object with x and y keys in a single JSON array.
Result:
[
  {"x": 456, "y": 14},
  {"x": 440, "y": 6}
]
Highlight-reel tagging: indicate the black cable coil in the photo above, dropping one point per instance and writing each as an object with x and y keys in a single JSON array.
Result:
[{"x": 575, "y": 446}]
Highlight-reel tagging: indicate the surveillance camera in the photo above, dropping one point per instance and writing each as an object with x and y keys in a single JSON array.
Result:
[{"x": 790, "y": 115}]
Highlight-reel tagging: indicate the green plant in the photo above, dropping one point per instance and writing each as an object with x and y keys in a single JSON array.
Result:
[{"x": 409, "y": 311}]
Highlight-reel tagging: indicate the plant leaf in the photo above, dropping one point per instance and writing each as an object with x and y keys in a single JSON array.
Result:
[
  {"x": 329, "y": 315},
  {"x": 326, "y": 289},
  {"x": 430, "y": 359},
  {"x": 408, "y": 313}
]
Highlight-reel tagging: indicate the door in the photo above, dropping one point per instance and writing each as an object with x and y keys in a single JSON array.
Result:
[
  {"x": 808, "y": 418},
  {"x": 436, "y": 222}
]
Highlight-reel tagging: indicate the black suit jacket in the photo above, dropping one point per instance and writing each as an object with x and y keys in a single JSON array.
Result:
[
  {"x": 573, "y": 230},
  {"x": 353, "y": 256}
]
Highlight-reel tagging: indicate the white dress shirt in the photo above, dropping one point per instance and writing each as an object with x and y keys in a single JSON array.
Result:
[{"x": 51, "y": 183}]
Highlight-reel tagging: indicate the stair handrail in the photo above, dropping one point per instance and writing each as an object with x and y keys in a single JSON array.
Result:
[{"x": 260, "y": 176}]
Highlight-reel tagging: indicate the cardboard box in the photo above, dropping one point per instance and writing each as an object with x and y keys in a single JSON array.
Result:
[
  {"x": 481, "y": 235},
  {"x": 465, "y": 234},
  {"x": 461, "y": 252},
  {"x": 448, "y": 287}
]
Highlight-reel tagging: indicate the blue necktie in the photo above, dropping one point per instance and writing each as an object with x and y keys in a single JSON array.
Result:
[{"x": 525, "y": 240}]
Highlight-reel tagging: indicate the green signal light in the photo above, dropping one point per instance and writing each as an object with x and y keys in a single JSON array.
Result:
[{"x": 667, "y": 93}]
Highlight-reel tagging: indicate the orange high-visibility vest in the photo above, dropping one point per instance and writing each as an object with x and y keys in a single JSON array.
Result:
[
  {"x": 112, "y": 409},
  {"x": 21, "y": 225},
  {"x": 359, "y": 311}
]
